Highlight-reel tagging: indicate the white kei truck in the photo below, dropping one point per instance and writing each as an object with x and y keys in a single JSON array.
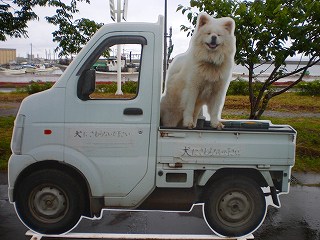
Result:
[{"x": 76, "y": 151}]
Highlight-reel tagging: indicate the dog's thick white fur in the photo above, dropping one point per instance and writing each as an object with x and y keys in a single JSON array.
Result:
[{"x": 201, "y": 75}]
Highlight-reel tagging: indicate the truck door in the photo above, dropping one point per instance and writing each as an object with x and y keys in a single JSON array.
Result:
[{"x": 112, "y": 131}]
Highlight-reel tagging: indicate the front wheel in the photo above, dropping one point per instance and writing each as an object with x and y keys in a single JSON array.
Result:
[
  {"x": 234, "y": 206},
  {"x": 49, "y": 201}
]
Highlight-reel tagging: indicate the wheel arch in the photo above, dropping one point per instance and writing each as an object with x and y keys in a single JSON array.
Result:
[
  {"x": 57, "y": 165},
  {"x": 250, "y": 173}
]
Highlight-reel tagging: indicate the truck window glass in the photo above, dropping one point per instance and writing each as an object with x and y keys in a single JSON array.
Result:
[{"x": 106, "y": 73}]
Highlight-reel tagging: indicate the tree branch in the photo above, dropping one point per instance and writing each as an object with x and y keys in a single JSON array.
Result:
[
  {"x": 305, "y": 68},
  {"x": 291, "y": 85}
]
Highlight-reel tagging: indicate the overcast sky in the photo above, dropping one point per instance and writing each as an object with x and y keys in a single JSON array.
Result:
[{"x": 40, "y": 32}]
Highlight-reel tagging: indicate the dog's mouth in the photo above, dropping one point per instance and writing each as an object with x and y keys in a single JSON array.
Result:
[{"x": 212, "y": 46}]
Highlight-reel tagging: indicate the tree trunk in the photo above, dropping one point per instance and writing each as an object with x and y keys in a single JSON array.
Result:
[{"x": 252, "y": 98}]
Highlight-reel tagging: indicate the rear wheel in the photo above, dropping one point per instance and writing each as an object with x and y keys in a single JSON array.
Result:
[
  {"x": 234, "y": 206},
  {"x": 49, "y": 201}
]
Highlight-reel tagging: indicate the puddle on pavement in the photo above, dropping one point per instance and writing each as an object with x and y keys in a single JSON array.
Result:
[
  {"x": 293, "y": 230},
  {"x": 297, "y": 219}
]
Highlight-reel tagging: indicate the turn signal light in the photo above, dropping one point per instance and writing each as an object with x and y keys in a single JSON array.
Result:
[{"x": 47, "y": 132}]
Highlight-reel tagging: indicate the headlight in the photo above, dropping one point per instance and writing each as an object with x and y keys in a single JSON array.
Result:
[{"x": 16, "y": 142}]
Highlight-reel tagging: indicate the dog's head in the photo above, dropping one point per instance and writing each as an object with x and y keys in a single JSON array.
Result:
[{"x": 214, "y": 35}]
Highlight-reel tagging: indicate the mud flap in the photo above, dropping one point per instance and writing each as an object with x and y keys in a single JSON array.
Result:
[{"x": 274, "y": 196}]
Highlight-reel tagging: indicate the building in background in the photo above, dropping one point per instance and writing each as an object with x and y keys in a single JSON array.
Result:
[{"x": 7, "y": 55}]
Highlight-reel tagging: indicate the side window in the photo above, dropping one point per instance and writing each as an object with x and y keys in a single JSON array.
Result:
[{"x": 98, "y": 78}]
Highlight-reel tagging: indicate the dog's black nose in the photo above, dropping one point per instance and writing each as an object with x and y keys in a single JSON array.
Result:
[{"x": 214, "y": 40}]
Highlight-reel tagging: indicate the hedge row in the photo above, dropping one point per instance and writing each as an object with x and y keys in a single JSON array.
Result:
[{"x": 236, "y": 87}]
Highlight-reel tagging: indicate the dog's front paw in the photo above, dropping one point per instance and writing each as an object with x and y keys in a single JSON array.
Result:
[
  {"x": 217, "y": 124},
  {"x": 189, "y": 123}
]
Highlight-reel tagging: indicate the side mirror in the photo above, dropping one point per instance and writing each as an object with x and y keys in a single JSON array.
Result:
[{"x": 86, "y": 84}]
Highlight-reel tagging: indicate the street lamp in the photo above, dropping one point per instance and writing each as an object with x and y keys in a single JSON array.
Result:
[{"x": 116, "y": 14}]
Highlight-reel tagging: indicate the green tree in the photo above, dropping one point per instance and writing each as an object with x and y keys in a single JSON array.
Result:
[
  {"x": 268, "y": 32},
  {"x": 14, "y": 23},
  {"x": 72, "y": 34}
]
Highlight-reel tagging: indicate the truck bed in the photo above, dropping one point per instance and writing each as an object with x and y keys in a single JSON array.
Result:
[{"x": 240, "y": 142}]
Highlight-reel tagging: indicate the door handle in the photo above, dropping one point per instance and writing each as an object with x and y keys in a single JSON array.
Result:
[{"x": 133, "y": 111}]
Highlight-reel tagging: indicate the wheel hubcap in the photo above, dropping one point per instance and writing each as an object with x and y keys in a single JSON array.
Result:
[
  {"x": 49, "y": 204},
  {"x": 234, "y": 208}
]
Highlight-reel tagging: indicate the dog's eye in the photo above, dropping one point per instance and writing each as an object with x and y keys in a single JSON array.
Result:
[{"x": 209, "y": 33}]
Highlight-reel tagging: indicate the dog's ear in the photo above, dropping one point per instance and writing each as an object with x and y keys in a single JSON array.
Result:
[
  {"x": 229, "y": 25},
  {"x": 203, "y": 18}
]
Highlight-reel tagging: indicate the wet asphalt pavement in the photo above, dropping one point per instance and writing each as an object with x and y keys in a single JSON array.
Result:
[{"x": 297, "y": 219}]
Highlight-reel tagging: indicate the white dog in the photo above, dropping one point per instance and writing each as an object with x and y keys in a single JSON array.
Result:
[{"x": 201, "y": 75}]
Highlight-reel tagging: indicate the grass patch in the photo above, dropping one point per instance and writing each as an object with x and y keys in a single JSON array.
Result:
[
  {"x": 292, "y": 102},
  {"x": 308, "y": 142},
  {"x": 12, "y": 97},
  {"x": 286, "y": 102},
  {"x": 6, "y": 126}
]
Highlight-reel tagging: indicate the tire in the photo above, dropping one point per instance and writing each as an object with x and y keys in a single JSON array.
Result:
[
  {"x": 234, "y": 206},
  {"x": 49, "y": 201}
]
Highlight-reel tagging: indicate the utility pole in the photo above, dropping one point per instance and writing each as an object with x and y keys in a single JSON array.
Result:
[
  {"x": 165, "y": 44},
  {"x": 167, "y": 49},
  {"x": 113, "y": 13},
  {"x": 31, "y": 53}
]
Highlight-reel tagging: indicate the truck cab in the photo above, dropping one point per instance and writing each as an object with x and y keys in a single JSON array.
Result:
[{"x": 76, "y": 150}]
